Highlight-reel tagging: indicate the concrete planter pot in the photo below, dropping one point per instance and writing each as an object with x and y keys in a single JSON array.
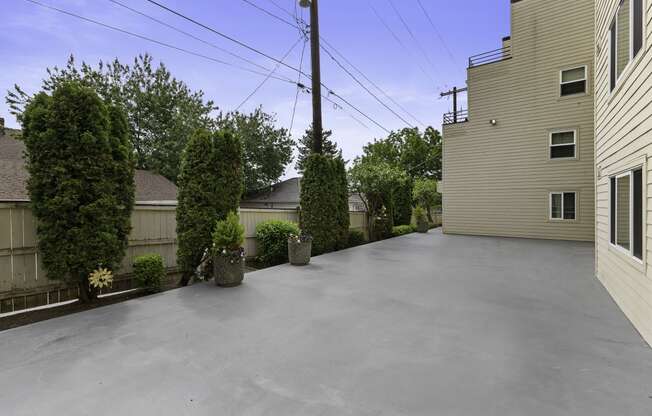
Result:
[
  {"x": 422, "y": 227},
  {"x": 299, "y": 252},
  {"x": 228, "y": 270}
]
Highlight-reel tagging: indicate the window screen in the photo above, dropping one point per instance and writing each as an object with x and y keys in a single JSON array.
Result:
[
  {"x": 562, "y": 206},
  {"x": 623, "y": 214},
  {"x": 555, "y": 206},
  {"x": 637, "y": 214},
  {"x": 613, "y": 40},
  {"x": 562, "y": 144},
  {"x": 637, "y": 30},
  {"x": 569, "y": 205},
  {"x": 573, "y": 81},
  {"x": 612, "y": 210}
]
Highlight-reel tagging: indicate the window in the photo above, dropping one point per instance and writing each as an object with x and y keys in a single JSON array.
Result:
[
  {"x": 562, "y": 144},
  {"x": 573, "y": 81},
  {"x": 626, "y": 212},
  {"x": 562, "y": 205},
  {"x": 625, "y": 37}
]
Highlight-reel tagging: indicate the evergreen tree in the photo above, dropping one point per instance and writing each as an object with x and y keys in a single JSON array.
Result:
[
  {"x": 81, "y": 182},
  {"x": 305, "y": 145}
]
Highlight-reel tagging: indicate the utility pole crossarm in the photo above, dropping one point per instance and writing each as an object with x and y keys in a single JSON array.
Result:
[{"x": 454, "y": 93}]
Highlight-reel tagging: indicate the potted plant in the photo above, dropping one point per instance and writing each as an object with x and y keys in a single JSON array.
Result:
[
  {"x": 299, "y": 248},
  {"x": 421, "y": 220},
  {"x": 228, "y": 259}
]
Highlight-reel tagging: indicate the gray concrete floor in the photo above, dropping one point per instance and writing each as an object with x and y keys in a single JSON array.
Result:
[{"x": 417, "y": 325}]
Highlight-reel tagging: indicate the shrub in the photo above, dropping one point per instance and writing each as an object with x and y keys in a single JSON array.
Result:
[
  {"x": 419, "y": 215},
  {"x": 356, "y": 238},
  {"x": 149, "y": 272},
  {"x": 324, "y": 203},
  {"x": 402, "y": 230},
  {"x": 272, "y": 239},
  {"x": 210, "y": 186},
  {"x": 402, "y": 203},
  {"x": 425, "y": 194},
  {"x": 81, "y": 182},
  {"x": 229, "y": 233}
]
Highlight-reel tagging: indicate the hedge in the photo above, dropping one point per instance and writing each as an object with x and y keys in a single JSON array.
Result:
[
  {"x": 402, "y": 230},
  {"x": 272, "y": 241},
  {"x": 356, "y": 238},
  {"x": 149, "y": 272}
]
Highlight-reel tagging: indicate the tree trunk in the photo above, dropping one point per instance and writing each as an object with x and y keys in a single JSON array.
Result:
[
  {"x": 429, "y": 215},
  {"x": 86, "y": 293},
  {"x": 185, "y": 279}
]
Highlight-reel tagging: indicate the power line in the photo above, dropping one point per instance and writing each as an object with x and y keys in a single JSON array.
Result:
[
  {"x": 190, "y": 35},
  {"x": 441, "y": 38},
  {"x": 400, "y": 42},
  {"x": 364, "y": 87},
  {"x": 164, "y": 44},
  {"x": 296, "y": 96},
  {"x": 260, "y": 85},
  {"x": 267, "y": 12},
  {"x": 414, "y": 38},
  {"x": 244, "y": 45}
]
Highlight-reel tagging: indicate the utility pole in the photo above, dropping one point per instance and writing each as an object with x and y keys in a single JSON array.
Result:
[
  {"x": 316, "y": 74},
  {"x": 454, "y": 93}
]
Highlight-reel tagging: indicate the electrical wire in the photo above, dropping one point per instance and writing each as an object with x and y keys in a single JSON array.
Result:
[
  {"x": 414, "y": 38},
  {"x": 434, "y": 27},
  {"x": 190, "y": 35},
  {"x": 152, "y": 40},
  {"x": 260, "y": 85},
  {"x": 296, "y": 96}
]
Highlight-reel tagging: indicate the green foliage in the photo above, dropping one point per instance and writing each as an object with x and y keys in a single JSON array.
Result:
[
  {"x": 402, "y": 203},
  {"x": 419, "y": 215},
  {"x": 324, "y": 203},
  {"x": 425, "y": 193},
  {"x": 306, "y": 143},
  {"x": 267, "y": 150},
  {"x": 417, "y": 153},
  {"x": 210, "y": 186},
  {"x": 402, "y": 230},
  {"x": 149, "y": 272},
  {"x": 229, "y": 233},
  {"x": 272, "y": 239},
  {"x": 81, "y": 182},
  {"x": 227, "y": 160},
  {"x": 378, "y": 182},
  {"x": 356, "y": 238},
  {"x": 162, "y": 112}
]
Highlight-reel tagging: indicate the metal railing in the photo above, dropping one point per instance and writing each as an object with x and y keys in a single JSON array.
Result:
[
  {"x": 454, "y": 117},
  {"x": 490, "y": 57}
]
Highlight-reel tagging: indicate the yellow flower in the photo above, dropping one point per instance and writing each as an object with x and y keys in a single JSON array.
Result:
[{"x": 101, "y": 278}]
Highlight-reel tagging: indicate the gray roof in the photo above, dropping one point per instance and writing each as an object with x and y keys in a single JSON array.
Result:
[{"x": 151, "y": 188}]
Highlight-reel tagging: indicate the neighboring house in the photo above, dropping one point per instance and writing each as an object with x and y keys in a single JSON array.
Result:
[
  {"x": 287, "y": 195},
  {"x": 623, "y": 117},
  {"x": 519, "y": 163}
]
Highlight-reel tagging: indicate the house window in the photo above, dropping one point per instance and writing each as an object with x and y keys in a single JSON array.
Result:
[
  {"x": 626, "y": 212},
  {"x": 562, "y": 144},
  {"x": 625, "y": 37},
  {"x": 562, "y": 205},
  {"x": 573, "y": 81}
]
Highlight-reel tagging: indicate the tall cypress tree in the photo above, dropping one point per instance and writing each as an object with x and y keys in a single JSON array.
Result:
[{"x": 81, "y": 182}]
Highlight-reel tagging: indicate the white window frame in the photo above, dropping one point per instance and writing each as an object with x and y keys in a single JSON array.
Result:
[
  {"x": 550, "y": 217},
  {"x": 629, "y": 252},
  {"x": 631, "y": 40},
  {"x": 585, "y": 79},
  {"x": 550, "y": 145}
]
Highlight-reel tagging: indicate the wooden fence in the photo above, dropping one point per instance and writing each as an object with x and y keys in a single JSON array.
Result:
[{"x": 24, "y": 284}]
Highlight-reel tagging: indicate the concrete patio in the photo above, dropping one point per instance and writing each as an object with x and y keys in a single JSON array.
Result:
[{"x": 416, "y": 325}]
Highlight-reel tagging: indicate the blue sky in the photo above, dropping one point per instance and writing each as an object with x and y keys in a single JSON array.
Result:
[{"x": 33, "y": 38}]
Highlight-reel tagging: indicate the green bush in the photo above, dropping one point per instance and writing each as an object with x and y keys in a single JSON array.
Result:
[
  {"x": 402, "y": 230},
  {"x": 81, "y": 182},
  {"x": 402, "y": 203},
  {"x": 356, "y": 238},
  {"x": 272, "y": 238},
  {"x": 324, "y": 203},
  {"x": 229, "y": 233},
  {"x": 149, "y": 272},
  {"x": 420, "y": 215}
]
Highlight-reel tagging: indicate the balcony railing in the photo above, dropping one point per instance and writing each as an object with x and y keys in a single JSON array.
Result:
[
  {"x": 454, "y": 117},
  {"x": 490, "y": 57}
]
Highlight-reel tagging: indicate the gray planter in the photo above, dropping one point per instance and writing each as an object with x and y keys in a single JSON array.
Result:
[
  {"x": 228, "y": 272},
  {"x": 299, "y": 252},
  {"x": 422, "y": 227}
]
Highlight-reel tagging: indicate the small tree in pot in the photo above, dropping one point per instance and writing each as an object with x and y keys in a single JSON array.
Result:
[
  {"x": 229, "y": 259},
  {"x": 299, "y": 249},
  {"x": 421, "y": 219}
]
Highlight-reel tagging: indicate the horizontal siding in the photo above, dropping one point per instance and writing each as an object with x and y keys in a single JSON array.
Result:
[
  {"x": 497, "y": 179},
  {"x": 623, "y": 139}
]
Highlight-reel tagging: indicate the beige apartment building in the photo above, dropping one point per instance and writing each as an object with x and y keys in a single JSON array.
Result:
[
  {"x": 623, "y": 148},
  {"x": 520, "y": 161}
]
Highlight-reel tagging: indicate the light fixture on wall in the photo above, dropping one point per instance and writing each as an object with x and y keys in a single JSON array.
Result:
[{"x": 493, "y": 122}]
